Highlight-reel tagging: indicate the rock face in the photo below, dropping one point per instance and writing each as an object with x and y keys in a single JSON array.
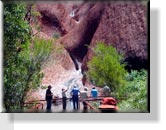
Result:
[{"x": 123, "y": 25}]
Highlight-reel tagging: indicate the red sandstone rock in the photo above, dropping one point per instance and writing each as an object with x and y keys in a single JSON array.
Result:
[{"x": 123, "y": 25}]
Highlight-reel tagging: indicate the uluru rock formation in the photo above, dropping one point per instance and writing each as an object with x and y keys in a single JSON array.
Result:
[{"x": 121, "y": 24}]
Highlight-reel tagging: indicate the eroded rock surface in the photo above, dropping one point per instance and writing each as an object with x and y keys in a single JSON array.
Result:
[
  {"x": 82, "y": 24},
  {"x": 122, "y": 25},
  {"x": 125, "y": 27}
]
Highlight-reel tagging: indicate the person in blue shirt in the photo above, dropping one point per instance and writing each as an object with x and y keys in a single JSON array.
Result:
[
  {"x": 94, "y": 92},
  {"x": 75, "y": 92}
]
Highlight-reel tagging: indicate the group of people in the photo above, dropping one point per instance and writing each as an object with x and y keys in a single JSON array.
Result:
[{"x": 75, "y": 95}]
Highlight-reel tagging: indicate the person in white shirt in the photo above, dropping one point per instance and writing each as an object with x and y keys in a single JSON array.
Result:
[{"x": 64, "y": 98}]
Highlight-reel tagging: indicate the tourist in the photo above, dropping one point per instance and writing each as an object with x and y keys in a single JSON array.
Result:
[
  {"x": 84, "y": 96},
  {"x": 49, "y": 98},
  {"x": 75, "y": 92},
  {"x": 106, "y": 91},
  {"x": 94, "y": 92},
  {"x": 64, "y": 98}
]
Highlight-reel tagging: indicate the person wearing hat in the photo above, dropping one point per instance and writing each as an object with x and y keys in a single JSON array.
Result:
[
  {"x": 49, "y": 98},
  {"x": 75, "y": 92}
]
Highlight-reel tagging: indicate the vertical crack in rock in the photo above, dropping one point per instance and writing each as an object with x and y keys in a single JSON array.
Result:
[{"x": 76, "y": 42}]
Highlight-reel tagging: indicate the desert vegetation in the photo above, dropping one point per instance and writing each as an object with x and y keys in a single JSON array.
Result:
[{"x": 107, "y": 67}]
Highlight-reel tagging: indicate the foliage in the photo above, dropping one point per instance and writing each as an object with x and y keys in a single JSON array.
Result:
[
  {"x": 35, "y": 14},
  {"x": 106, "y": 67},
  {"x": 57, "y": 53},
  {"x": 34, "y": 17},
  {"x": 22, "y": 59},
  {"x": 136, "y": 92},
  {"x": 95, "y": 104},
  {"x": 16, "y": 30},
  {"x": 16, "y": 33},
  {"x": 41, "y": 49},
  {"x": 34, "y": 57}
]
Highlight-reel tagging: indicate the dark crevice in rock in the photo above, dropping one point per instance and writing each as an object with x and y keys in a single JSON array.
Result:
[
  {"x": 52, "y": 21},
  {"x": 74, "y": 61},
  {"x": 136, "y": 63},
  {"x": 81, "y": 50}
]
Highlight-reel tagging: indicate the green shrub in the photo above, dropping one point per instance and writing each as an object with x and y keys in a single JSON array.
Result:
[
  {"x": 26, "y": 75},
  {"x": 34, "y": 56},
  {"x": 106, "y": 67},
  {"x": 136, "y": 92}
]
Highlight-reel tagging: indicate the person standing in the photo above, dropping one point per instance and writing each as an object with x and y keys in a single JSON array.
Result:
[
  {"x": 64, "y": 98},
  {"x": 84, "y": 96},
  {"x": 75, "y": 92},
  {"x": 106, "y": 91},
  {"x": 49, "y": 98},
  {"x": 94, "y": 92}
]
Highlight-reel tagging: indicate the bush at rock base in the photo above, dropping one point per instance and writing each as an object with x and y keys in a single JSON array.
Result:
[{"x": 129, "y": 88}]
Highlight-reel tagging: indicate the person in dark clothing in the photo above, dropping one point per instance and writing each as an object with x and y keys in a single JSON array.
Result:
[
  {"x": 75, "y": 91},
  {"x": 64, "y": 98},
  {"x": 49, "y": 98}
]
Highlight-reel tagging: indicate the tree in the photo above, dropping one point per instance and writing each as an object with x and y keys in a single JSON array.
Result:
[
  {"x": 107, "y": 67},
  {"x": 32, "y": 58},
  {"x": 16, "y": 34},
  {"x": 23, "y": 57}
]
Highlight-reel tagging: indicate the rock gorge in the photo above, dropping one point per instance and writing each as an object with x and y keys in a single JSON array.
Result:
[{"x": 81, "y": 24}]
